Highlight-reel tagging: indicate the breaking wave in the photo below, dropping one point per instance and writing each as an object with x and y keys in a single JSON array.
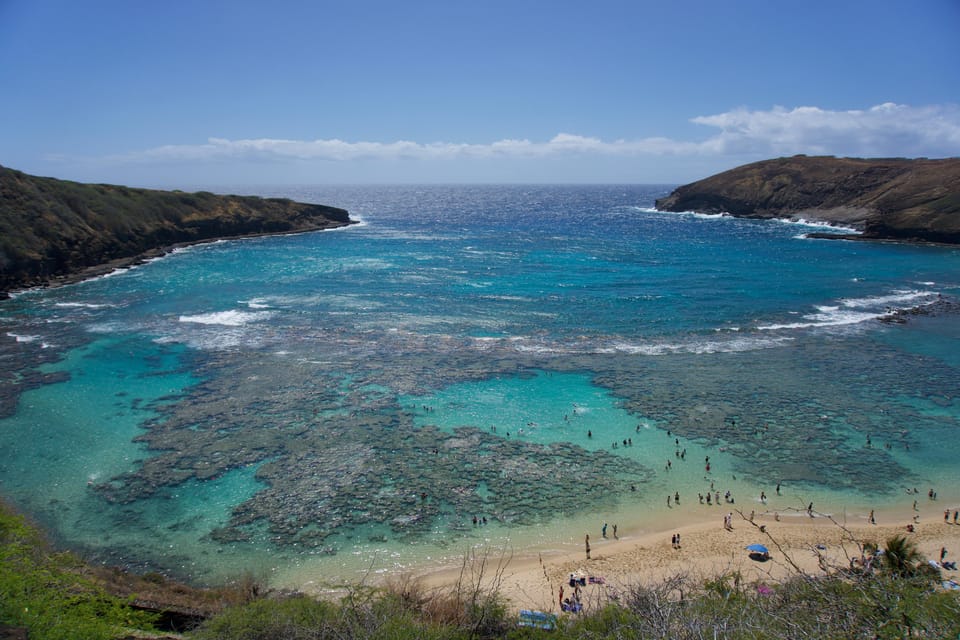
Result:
[
  {"x": 228, "y": 318},
  {"x": 853, "y": 311}
]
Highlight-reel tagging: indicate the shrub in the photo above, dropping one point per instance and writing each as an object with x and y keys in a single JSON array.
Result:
[{"x": 293, "y": 618}]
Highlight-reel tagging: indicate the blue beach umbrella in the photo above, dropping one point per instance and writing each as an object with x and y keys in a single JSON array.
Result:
[{"x": 757, "y": 548}]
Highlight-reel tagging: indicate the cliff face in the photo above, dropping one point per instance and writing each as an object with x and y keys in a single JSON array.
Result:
[
  {"x": 885, "y": 198},
  {"x": 54, "y": 229}
]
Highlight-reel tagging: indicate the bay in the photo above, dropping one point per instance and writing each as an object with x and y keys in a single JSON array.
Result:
[{"x": 321, "y": 406}]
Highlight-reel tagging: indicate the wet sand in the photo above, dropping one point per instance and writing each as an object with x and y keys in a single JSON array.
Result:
[{"x": 797, "y": 543}]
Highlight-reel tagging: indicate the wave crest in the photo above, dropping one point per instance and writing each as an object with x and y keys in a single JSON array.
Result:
[{"x": 228, "y": 318}]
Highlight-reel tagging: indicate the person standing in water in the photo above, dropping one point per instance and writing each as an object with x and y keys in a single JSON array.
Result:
[{"x": 586, "y": 543}]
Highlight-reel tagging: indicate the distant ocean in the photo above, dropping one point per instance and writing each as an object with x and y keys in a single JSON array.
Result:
[{"x": 539, "y": 358}]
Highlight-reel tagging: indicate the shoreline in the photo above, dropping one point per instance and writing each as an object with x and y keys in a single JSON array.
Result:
[
  {"x": 119, "y": 264},
  {"x": 798, "y": 545},
  {"x": 530, "y": 578}
]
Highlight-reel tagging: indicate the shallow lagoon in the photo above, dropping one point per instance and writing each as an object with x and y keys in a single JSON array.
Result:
[{"x": 323, "y": 406}]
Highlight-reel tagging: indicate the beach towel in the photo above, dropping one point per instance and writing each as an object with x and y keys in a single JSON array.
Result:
[{"x": 537, "y": 620}]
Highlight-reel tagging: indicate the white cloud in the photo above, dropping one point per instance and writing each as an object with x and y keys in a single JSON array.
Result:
[
  {"x": 339, "y": 150},
  {"x": 884, "y": 130}
]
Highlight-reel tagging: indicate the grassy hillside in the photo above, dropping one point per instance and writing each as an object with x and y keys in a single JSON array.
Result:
[
  {"x": 891, "y": 198},
  {"x": 53, "y": 229},
  {"x": 52, "y": 594}
]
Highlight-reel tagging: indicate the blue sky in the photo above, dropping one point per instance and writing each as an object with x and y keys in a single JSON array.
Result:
[{"x": 183, "y": 93}]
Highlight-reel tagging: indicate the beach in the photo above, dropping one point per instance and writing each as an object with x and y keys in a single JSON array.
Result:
[{"x": 798, "y": 544}]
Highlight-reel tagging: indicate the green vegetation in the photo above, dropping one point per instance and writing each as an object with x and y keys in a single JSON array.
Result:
[
  {"x": 56, "y": 228},
  {"x": 881, "y": 604},
  {"x": 865, "y": 605},
  {"x": 52, "y": 594},
  {"x": 403, "y": 608},
  {"x": 891, "y": 595},
  {"x": 902, "y": 557}
]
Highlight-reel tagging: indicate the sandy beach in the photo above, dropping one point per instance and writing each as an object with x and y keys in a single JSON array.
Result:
[{"x": 797, "y": 543}]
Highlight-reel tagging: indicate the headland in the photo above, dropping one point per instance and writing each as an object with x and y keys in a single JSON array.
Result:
[
  {"x": 916, "y": 200},
  {"x": 56, "y": 231}
]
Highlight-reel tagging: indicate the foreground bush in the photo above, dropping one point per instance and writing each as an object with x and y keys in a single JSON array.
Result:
[
  {"x": 402, "y": 609},
  {"x": 876, "y": 606},
  {"x": 898, "y": 601},
  {"x": 304, "y": 618},
  {"x": 814, "y": 608}
]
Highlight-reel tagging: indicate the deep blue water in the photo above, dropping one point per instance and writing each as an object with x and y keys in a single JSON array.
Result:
[{"x": 329, "y": 402}]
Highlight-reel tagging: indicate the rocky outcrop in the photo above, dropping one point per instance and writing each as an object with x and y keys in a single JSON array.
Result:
[
  {"x": 54, "y": 230},
  {"x": 894, "y": 199}
]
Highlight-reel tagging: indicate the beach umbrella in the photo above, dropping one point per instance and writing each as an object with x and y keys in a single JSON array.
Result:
[{"x": 757, "y": 548}]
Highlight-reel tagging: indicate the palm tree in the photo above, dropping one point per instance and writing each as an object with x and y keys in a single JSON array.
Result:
[{"x": 902, "y": 556}]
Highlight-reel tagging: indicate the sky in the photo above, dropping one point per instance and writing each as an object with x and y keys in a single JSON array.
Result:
[{"x": 182, "y": 93}]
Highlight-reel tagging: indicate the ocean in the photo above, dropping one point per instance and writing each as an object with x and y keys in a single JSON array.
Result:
[{"x": 497, "y": 367}]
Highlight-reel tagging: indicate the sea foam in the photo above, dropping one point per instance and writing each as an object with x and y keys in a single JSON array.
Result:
[
  {"x": 82, "y": 305},
  {"x": 19, "y": 337},
  {"x": 228, "y": 318},
  {"x": 853, "y": 311}
]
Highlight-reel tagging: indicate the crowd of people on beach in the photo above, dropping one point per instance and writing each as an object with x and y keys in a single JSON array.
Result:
[{"x": 711, "y": 497}]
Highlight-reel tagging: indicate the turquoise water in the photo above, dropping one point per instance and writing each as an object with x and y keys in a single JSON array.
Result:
[{"x": 321, "y": 406}]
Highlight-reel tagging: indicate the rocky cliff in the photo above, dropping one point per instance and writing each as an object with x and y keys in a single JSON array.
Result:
[
  {"x": 55, "y": 230},
  {"x": 896, "y": 198}
]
